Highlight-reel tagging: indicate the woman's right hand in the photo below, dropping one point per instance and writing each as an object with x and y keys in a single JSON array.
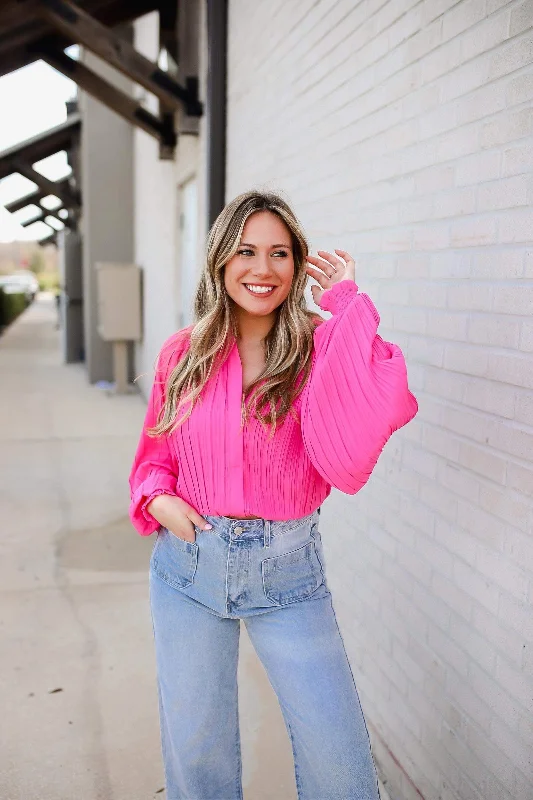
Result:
[{"x": 177, "y": 516}]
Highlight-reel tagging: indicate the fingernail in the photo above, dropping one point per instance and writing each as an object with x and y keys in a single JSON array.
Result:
[{"x": 207, "y": 526}]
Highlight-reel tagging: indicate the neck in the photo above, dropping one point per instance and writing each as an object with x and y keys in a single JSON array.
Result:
[{"x": 253, "y": 328}]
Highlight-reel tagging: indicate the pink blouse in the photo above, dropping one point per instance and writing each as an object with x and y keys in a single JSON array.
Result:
[{"x": 355, "y": 398}]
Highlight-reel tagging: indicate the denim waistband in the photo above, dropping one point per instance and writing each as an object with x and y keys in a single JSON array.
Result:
[{"x": 254, "y": 528}]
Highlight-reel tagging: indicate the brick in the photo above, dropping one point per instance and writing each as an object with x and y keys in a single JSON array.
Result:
[
  {"x": 470, "y": 296},
  {"x": 481, "y": 524},
  {"x": 449, "y": 264},
  {"x": 505, "y": 640},
  {"x": 441, "y": 61},
  {"x": 517, "y": 615},
  {"x": 466, "y": 423},
  {"x": 457, "y": 541},
  {"x": 412, "y": 320},
  {"x": 518, "y": 159},
  {"x": 478, "y": 167},
  {"x": 521, "y": 785},
  {"x": 431, "y": 237},
  {"x": 438, "y": 498},
  {"x": 415, "y": 210},
  {"x": 448, "y": 650},
  {"x": 519, "y": 89},
  {"x": 473, "y": 232},
  {"x": 516, "y": 226},
  {"x": 483, "y": 462},
  {"x": 417, "y": 515},
  {"x": 444, "y": 384},
  {"x": 447, "y": 325},
  {"x": 489, "y": 396},
  {"x": 498, "y": 264},
  {"x": 460, "y": 481},
  {"x": 513, "y": 299},
  {"x": 492, "y": 31},
  {"x": 434, "y": 179},
  {"x": 497, "y": 763},
  {"x": 526, "y": 337},
  {"x": 520, "y": 478},
  {"x": 481, "y": 102},
  {"x": 409, "y": 666},
  {"x": 424, "y": 40},
  {"x": 519, "y": 685},
  {"x": 506, "y": 193},
  {"x": 515, "y": 441},
  {"x": 462, "y": 17},
  {"x": 507, "y": 128},
  {"x": 452, "y": 595},
  {"x": 528, "y": 263},
  {"x": 439, "y": 441},
  {"x": 507, "y": 575},
  {"x": 521, "y": 18},
  {"x": 459, "y": 142},
  {"x": 452, "y": 204},
  {"x": 515, "y": 370},
  {"x": 419, "y": 460},
  {"x": 491, "y": 330},
  {"x": 429, "y": 295},
  {"x": 474, "y": 644},
  {"x": 425, "y": 351},
  {"x": 479, "y": 588},
  {"x": 510, "y": 508},
  {"x": 466, "y": 359},
  {"x": 517, "y": 54}
]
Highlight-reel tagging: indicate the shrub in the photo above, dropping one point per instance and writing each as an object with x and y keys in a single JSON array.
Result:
[{"x": 11, "y": 305}]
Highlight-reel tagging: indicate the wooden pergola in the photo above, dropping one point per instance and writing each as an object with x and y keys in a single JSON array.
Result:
[{"x": 43, "y": 29}]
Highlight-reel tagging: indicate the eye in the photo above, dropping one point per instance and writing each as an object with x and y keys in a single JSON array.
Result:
[
  {"x": 245, "y": 251},
  {"x": 280, "y": 254}
]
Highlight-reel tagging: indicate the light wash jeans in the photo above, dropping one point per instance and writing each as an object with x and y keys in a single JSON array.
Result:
[{"x": 271, "y": 575}]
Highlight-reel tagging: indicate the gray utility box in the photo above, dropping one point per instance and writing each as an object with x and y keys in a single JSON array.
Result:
[
  {"x": 119, "y": 313},
  {"x": 119, "y": 301}
]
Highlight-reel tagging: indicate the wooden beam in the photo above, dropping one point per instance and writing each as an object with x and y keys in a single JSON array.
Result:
[
  {"x": 33, "y": 197},
  {"x": 45, "y": 212},
  {"x": 84, "y": 29},
  {"x": 110, "y": 96},
  {"x": 45, "y": 144},
  {"x": 188, "y": 36},
  {"x": 69, "y": 198},
  {"x": 52, "y": 239}
]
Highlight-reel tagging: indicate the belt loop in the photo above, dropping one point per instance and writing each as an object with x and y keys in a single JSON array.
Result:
[{"x": 266, "y": 533}]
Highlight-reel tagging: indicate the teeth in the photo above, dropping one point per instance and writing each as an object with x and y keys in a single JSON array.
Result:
[{"x": 259, "y": 289}]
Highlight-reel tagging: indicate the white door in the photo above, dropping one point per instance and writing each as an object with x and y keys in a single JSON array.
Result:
[{"x": 189, "y": 267}]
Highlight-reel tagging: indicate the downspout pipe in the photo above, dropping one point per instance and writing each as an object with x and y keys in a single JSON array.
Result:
[{"x": 217, "y": 38}]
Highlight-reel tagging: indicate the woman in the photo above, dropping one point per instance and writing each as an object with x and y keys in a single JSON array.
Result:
[{"x": 256, "y": 411}]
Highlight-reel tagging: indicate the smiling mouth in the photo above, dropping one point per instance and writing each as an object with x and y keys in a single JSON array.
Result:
[{"x": 260, "y": 291}]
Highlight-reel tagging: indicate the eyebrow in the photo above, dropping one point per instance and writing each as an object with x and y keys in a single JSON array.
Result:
[{"x": 245, "y": 244}]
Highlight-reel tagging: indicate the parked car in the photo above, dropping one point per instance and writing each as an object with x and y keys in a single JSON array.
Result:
[{"x": 21, "y": 281}]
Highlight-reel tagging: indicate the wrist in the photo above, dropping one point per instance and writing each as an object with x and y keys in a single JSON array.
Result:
[
  {"x": 157, "y": 503},
  {"x": 339, "y": 296}
]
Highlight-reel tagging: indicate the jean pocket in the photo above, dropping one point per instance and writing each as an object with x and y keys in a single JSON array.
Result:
[
  {"x": 292, "y": 576},
  {"x": 174, "y": 560}
]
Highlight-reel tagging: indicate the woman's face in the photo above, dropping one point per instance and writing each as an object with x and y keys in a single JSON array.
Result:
[{"x": 264, "y": 261}]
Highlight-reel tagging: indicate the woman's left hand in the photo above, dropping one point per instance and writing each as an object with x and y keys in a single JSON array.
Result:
[{"x": 329, "y": 270}]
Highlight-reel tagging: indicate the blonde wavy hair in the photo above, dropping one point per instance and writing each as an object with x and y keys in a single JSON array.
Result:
[{"x": 288, "y": 345}]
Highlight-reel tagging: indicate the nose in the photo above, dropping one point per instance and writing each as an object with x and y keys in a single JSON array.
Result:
[{"x": 262, "y": 267}]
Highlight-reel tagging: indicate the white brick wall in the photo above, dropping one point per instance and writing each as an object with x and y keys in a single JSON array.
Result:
[{"x": 402, "y": 131}]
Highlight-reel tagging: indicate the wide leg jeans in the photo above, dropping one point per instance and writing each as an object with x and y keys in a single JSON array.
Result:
[{"x": 271, "y": 575}]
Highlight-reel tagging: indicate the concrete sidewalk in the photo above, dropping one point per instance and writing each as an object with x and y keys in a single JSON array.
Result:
[{"x": 78, "y": 691}]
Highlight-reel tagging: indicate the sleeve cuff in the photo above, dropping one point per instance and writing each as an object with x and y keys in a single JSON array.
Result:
[
  {"x": 339, "y": 296},
  {"x": 148, "y": 517}
]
